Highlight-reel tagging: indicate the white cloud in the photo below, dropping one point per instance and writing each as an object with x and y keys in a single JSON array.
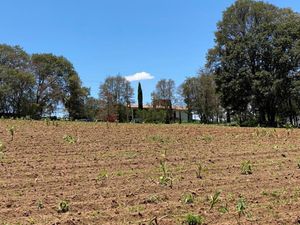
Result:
[{"x": 139, "y": 76}]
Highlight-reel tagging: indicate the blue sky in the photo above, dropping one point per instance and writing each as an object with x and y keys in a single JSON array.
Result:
[{"x": 163, "y": 38}]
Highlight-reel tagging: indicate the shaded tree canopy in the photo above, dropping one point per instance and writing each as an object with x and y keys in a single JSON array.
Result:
[
  {"x": 35, "y": 85},
  {"x": 256, "y": 60}
]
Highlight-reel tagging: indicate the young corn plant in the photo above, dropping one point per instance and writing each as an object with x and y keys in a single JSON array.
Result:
[
  {"x": 165, "y": 179},
  {"x": 63, "y": 207},
  {"x": 188, "y": 198},
  {"x": 70, "y": 139},
  {"x": 214, "y": 199},
  {"x": 191, "y": 219},
  {"x": 12, "y": 130},
  {"x": 102, "y": 176},
  {"x": 2, "y": 146},
  {"x": 246, "y": 167},
  {"x": 241, "y": 207},
  {"x": 199, "y": 171}
]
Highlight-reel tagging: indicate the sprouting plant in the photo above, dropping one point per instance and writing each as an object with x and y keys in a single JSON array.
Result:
[
  {"x": 165, "y": 179},
  {"x": 63, "y": 207},
  {"x": 224, "y": 209},
  {"x": 70, "y": 139},
  {"x": 2, "y": 146},
  {"x": 47, "y": 120},
  {"x": 241, "y": 207},
  {"x": 207, "y": 138},
  {"x": 159, "y": 139},
  {"x": 40, "y": 205},
  {"x": 31, "y": 220},
  {"x": 188, "y": 198},
  {"x": 298, "y": 164},
  {"x": 214, "y": 199},
  {"x": 199, "y": 171},
  {"x": 12, "y": 130},
  {"x": 102, "y": 175},
  {"x": 191, "y": 219},
  {"x": 246, "y": 167}
]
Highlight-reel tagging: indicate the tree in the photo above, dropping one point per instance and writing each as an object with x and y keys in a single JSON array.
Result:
[
  {"x": 207, "y": 101},
  {"x": 189, "y": 90},
  {"x": 16, "y": 82},
  {"x": 164, "y": 97},
  {"x": 140, "y": 97},
  {"x": 57, "y": 82},
  {"x": 92, "y": 108},
  {"x": 255, "y": 59},
  {"x": 199, "y": 94},
  {"x": 116, "y": 96}
]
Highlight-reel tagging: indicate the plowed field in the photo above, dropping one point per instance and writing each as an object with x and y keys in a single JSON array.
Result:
[{"x": 113, "y": 175}]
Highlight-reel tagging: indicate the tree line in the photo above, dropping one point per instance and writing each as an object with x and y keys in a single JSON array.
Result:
[
  {"x": 251, "y": 77},
  {"x": 34, "y": 85}
]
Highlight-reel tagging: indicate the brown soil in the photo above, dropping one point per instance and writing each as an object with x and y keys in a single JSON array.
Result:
[{"x": 111, "y": 174}]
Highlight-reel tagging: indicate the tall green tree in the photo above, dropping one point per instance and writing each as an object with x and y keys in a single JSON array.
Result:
[
  {"x": 140, "y": 97},
  {"x": 57, "y": 82},
  {"x": 16, "y": 81},
  {"x": 189, "y": 90},
  {"x": 255, "y": 59},
  {"x": 199, "y": 94}
]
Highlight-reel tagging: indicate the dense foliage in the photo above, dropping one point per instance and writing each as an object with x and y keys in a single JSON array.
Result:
[{"x": 256, "y": 61}]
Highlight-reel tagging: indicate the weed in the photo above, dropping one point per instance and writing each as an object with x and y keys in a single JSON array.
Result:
[
  {"x": 214, "y": 199},
  {"x": 166, "y": 178},
  {"x": 188, "y": 198},
  {"x": 298, "y": 164},
  {"x": 63, "y": 207},
  {"x": 70, "y": 139},
  {"x": 246, "y": 167},
  {"x": 191, "y": 219}
]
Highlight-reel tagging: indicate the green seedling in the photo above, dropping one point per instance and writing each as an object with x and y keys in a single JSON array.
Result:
[
  {"x": 102, "y": 176},
  {"x": 241, "y": 207},
  {"x": 188, "y": 198},
  {"x": 199, "y": 171},
  {"x": 63, "y": 207},
  {"x": 70, "y": 139},
  {"x": 246, "y": 167},
  {"x": 214, "y": 199},
  {"x": 165, "y": 179},
  {"x": 191, "y": 219},
  {"x": 12, "y": 130}
]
